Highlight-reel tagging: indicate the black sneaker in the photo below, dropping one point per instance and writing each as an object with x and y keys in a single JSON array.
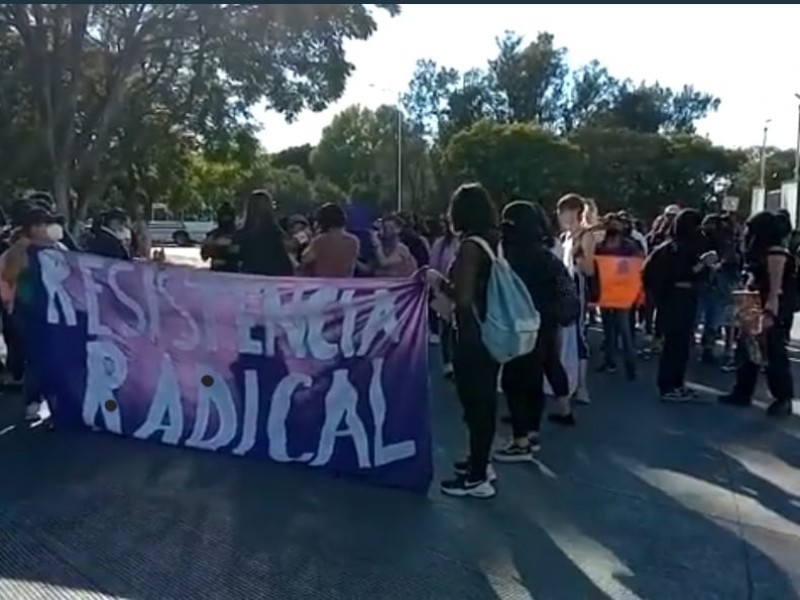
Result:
[
  {"x": 461, "y": 487},
  {"x": 462, "y": 468},
  {"x": 607, "y": 368},
  {"x": 780, "y": 409},
  {"x": 513, "y": 453}
]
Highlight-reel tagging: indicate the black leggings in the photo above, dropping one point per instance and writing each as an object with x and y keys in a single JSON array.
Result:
[
  {"x": 778, "y": 369},
  {"x": 523, "y": 383},
  {"x": 475, "y": 373}
]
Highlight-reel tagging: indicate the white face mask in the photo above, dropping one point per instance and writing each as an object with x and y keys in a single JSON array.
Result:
[{"x": 55, "y": 232}]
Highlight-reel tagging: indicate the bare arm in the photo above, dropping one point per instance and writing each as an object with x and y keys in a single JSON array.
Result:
[
  {"x": 586, "y": 262},
  {"x": 465, "y": 275},
  {"x": 776, "y": 263}
]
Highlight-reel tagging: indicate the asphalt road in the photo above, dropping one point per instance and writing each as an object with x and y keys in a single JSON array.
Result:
[{"x": 640, "y": 501}]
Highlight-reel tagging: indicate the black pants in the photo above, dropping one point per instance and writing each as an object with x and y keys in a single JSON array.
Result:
[
  {"x": 778, "y": 369},
  {"x": 447, "y": 338},
  {"x": 675, "y": 321},
  {"x": 13, "y": 338},
  {"x": 475, "y": 373},
  {"x": 523, "y": 383}
]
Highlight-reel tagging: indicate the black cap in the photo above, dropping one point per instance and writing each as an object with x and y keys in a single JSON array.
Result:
[
  {"x": 115, "y": 214},
  {"x": 38, "y": 215}
]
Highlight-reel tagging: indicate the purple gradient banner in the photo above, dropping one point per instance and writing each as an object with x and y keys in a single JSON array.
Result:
[{"x": 323, "y": 372}]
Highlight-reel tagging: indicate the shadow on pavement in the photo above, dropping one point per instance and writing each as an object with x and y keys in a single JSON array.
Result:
[{"x": 641, "y": 500}]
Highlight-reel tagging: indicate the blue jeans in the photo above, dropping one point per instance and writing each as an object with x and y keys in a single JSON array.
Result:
[
  {"x": 710, "y": 312},
  {"x": 617, "y": 333}
]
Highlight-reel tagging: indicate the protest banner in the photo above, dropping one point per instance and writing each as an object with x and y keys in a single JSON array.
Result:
[{"x": 325, "y": 372}]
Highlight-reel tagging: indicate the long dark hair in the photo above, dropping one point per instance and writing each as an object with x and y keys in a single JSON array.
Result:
[
  {"x": 259, "y": 215},
  {"x": 525, "y": 228},
  {"x": 764, "y": 230},
  {"x": 472, "y": 211}
]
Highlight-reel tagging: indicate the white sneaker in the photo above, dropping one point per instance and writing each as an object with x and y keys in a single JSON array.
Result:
[
  {"x": 32, "y": 412},
  {"x": 582, "y": 397},
  {"x": 460, "y": 487},
  {"x": 434, "y": 339},
  {"x": 447, "y": 370}
]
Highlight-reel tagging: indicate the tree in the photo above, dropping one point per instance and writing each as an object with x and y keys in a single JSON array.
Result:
[
  {"x": 645, "y": 171},
  {"x": 428, "y": 97},
  {"x": 514, "y": 160},
  {"x": 345, "y": 153},
  {"x": 592, "y": 91},
  {"x": 653, "y": 108},
  {"x": 532, "y": 77},
  {"x": 295, "y": 155},
  {"x": 204, "y": 65},
  {"x": 359, "y": 147}
]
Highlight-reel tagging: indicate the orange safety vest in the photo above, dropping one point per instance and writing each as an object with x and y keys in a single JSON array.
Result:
[{"x": 620, "y": 279}]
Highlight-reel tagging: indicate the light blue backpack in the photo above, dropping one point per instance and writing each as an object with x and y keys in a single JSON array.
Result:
[{"x": 512, "y": 321}]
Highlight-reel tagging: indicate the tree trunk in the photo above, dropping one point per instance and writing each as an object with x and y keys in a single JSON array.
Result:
[{"x": 62, "y": 185}]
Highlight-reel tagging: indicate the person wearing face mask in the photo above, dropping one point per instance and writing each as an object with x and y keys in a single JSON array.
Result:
[
  {"x": 113, "y": 236},
  {"x": 16, "y": 293},
  {"x": 393, "y": 256},
  {"x": 217, "y": 245},
  {"x": 672, "y": 276},
  {"x": 45, "y": 201}
]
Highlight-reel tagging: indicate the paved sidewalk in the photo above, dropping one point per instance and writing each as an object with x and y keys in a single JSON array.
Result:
[{"x": 641, "y": 500}]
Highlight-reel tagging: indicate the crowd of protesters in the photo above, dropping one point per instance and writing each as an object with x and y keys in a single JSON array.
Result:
[{"x": 686, "y": 273}]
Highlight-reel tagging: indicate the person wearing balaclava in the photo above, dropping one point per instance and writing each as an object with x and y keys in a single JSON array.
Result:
[
  {"x": 112, "y": 238},
  {"x": 771, "y": 271},
  {"x": 672, "y": 276},
  {"x": 217, "y": 245}
]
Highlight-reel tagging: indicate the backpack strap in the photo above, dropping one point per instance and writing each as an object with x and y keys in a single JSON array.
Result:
[{"x": 484, "y": 245}]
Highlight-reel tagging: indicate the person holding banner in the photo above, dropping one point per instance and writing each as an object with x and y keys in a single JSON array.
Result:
[
  {"x": 38, "y": 227},
  {"x": 672, "y": 276},
  {"x": 258, "y": 247},
  {"x": 619, "y": 263},
  {"x": 334, "y": 252},
  {"x": 393, "y": 256}
]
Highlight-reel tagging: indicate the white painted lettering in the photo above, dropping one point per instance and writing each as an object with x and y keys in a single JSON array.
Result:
[
  {"x": 55, "y": 270},
  {"x": 166, "y": 410},
  {"x": 341, "y": 402},
  {"x": 106, "y": 371}
]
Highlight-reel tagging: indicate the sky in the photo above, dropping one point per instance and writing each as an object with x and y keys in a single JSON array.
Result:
[{"x": 716, "y": 48}]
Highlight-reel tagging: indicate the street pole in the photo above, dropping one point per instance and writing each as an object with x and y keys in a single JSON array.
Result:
[
  {"x": 797, "y": 149},
  {"x": 763, "y": 178},
  {"x": 399, "y": 157}
]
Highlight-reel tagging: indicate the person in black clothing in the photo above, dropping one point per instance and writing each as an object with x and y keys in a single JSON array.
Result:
[
  {"x": 672, "y": 275},
  {"x": 472, "y": 214},
  {"x": 771, "y": 271},
  {"x": 526, "y": 246},
  {"x": 218, "y": 242},
  {"x": 111, "y": 236},
  {"x": 259, "y": 247}
]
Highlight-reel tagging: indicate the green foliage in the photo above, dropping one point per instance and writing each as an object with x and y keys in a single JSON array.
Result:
[
  {"x": 516, "y": 160},
  {"x": 86, "y": 73}
]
